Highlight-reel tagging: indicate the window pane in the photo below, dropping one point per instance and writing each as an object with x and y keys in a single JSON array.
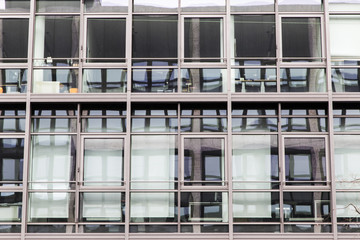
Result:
[
  {"x": 51, "y": 207},
  {"x": 58, "y": 6},
  {"x": 10, "y": 207},
  {"x": 300, "y": 6},
  {"x": 203, "y": 5},
  {"x": 55, "y": 80},
  {"x": 154, "y": 124},
  {"x": 56, "y": 37},
  {"x": 254, "y": 36},
  {"x": 104, "y": 80},
  {"x": 345, "y": 79},
  {"x": 204, "y": 161},
  {"x": 256, "y": 207},
  {"x": 347, "y": 165},
  {"x": 103, "y": 162},
  {"x": 106, "y": 6},
  {"x": 256, "y": 228},
  {"x": 307, "y": 228},
  {"x": 154, "y": 80},
  {"x": 344, "y": 5},
  {"x": 301, "y": 38},
  {"x": 105, "y": 39},
  {"x": 103, "y": 228},
  {"x": 103, "y": 207},
  {"x": 14, "y": 38},
  {"x": 52, "y": 161},
  {"x": 347, "y": 206},
  {"x": 303, "y": 124},
  {"x": 203, "y": 80},
  {"x": 305, "y": 161},
  {"x": 307, "y": 207},
  {"x": 254, "y": 161},
  {"x": 302, "y": 80},
  {"x": 252, "y": 6},
  {"x": 203, "y": 38},
  {"x": 203, "y": 124},
  {"x": 11, "y": 159},
  {"x": 204, "y": 207},
  {"x": 254, "y": 80},
  {"x": 155, "y": 6},
  {"x": 15, "y": 6},
  {"x": 153, "y": 207},
  {"x": 54, "y": 125},
  {"x": 13, "y": 80},
  {"x": 154, "y": 36},
  {"x": 153, "y": 161}
]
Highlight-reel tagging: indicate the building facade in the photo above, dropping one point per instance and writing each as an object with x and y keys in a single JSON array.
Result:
[{"x": 179, "y": 119}]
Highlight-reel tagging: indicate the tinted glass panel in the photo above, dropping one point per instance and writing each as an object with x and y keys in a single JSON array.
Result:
[{"x": 11, "y": 159}]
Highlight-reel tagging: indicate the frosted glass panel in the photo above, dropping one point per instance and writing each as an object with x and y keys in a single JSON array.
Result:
[
  {"x": 252, "y": 205},
  {"x": 102, "y": 207}
]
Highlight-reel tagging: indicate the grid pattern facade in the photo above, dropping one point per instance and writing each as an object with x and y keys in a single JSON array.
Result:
[{"x": 196, "y": 119}]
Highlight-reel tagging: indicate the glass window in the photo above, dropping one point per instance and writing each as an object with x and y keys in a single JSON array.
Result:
[
  {"x": 254, "y": 36},
  {"x": 347, "y": 206},
  {"x": 204, "y": 207},
  {"x": 203, "y": 5},
  {"x": 153, "y": 207},
  {"x": 12, "y": 119},
  {"x": 300, "y": 6},
  {"x": 58, "y": 6},
  {"x": 204, "y": 161},
  {"x": 203, "y": 38},
  {"x": 343, "y": 39},
  {"x": 106, "y": 6},
  {"x": 155, "y": 6},
  {"x": 104, "y": 80},
  {"x": 13, "y": 80},
  {"x": 302, "y": 80},
  {"x": 155, "y": 36},
  {"x": 153, "y": 161},
  {"x": 102, "y": 207},
  {"x": 254, "y": 80},
  {"x": 10, "y": 207},
  {"x": 11, "y": 161},
  {"x": 254, "y": 161},
  {"x": 103, "y": 161},
  {"x": 203, "y": 80},
  {"x": 154, "y": 80},
  {"x": 305, "y": 161},
  {"x": 15, "y": 6},
  {"x": 56, "y": 37},
  {"x": 252, "y": 6},
  {"x": 105, "y": 39},
  {"x": 55, "y": 80},
  {"x": 51, "y": 207},
  {"x": 344, "y": 5},
  {"x": 301, "y": 39},
  {"x": 345, "y": 79},
  {"x": 52, "y": 161},
  {"x": 14, "y": 39}
]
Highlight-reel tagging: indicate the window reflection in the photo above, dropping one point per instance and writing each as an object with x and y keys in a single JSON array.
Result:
[
  {"x": 154, "y": 80},
  {"x": 15, "y": 6},
  {"x": 300, "y": 6},
  {"x": 55, "y": 81},
  {"x": 302, "y": 80},
  {"x": 106, "y": 6},
  {"x": 203, "y": 5},
  {"x": 104, "y": 80},
  {"x": 254, "y": 79},
  {"x": 203, "y": 80},
  {"x": 10, "y": 207},
  {"x": 252, "y": 6}
]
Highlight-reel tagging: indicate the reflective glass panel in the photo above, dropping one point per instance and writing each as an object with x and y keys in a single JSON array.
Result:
[
  {"x": 13, "y": 80},
  {"x": 54, "y": 125},
  {"x": 344, "y": 5},
  {"x": 104, "y": 80},
  {"x": 53, "y": 228},
  {"x": 105, "y": 39},
  {"x": 154, "y": 80},
  {"x": 203, "y": 124},
  {"x": 302, "y": 80},
  {"x": 10, "y": 229},
  {"x": 254, "y": 124},
  {"x": 203, "y": 5},
  {"x": 154, "y": 36},
  {"x": 14, "y": 39},
  {"x": 52, "y": 164},
  {"x": 203, "y": 39},
  {"x": 153, "y": 207},
  {"x": 104, "y": 125},
  {"x": 203, "y": 80},
  {"x": 153, "y": 228},
  {"x": 252, "y": 6},
  {"x": 58, "y": 6},
  {"x": 307, "y": 207},
  {"x": 303, "y": 124},
  {"x": 253, "y": 228},
  {"x": 103, "y": 161},
  {"x": 300, "y": 6},
  {"x": 153, "y": 161},
  {"x": 155, "y": 6},
  {"x": 10, "y": 207},
  {"x": 254, "y": 36},
  {"x": 254, "y": 161},
  {"x": 11, "y": 159},
  {"x": 346, "y": 124},
  {"x": 345, "y": 79},
  {"x": 347, "y": 206},
  {"x": 301, "y": 38},
  {"x": 205, "y": 228},
  {"x": 154, "y": 124},
  {"x": 106, "y": 6},
  {"x": 15, "y": 6},
  {"x": 204, "y": 207},
  {"x": 307, "y": 228},
  {"x": 55, "y": 81},
  {"x": 305, "y": 161},
  {"x": 102, "y": 207},
  {"x": 51, "y": 207},
  {"x": 256, "y": 207},
  {"x": 102, "y": 228},
  {"x": 254, "y": 80},
  {"x": 204, "y": 161}
]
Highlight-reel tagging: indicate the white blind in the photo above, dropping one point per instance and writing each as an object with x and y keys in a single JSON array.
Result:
[
  {"x": 99, "y": 206},
  {"x": 144, "y": 205},
  {"x": 49, "y": 205},
  {"x": 252, "y": 205}
]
